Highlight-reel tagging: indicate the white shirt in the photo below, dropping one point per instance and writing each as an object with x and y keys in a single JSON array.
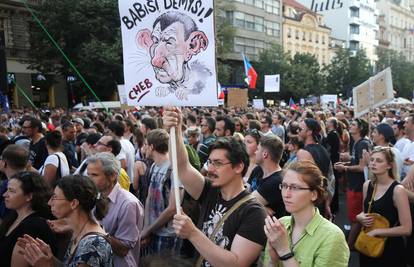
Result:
[
  {"x": 53, "y": 160},
  {"x": 129, "y": 151},
  {"x": 408, "y": 153},
  {"x": 401, "y": 143}
]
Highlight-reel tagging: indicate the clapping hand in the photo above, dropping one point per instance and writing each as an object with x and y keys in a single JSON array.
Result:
[
  {"x": 36, "y": 252},
  {"x": 276, "y": 235}
]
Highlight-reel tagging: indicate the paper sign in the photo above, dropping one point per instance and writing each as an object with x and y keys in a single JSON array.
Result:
[
  {"x": 373, "y": 93},
  {"x": 258, "y": 103},
  {"x": 123, "y": 98},
  {"x": 169, "y": 52},
  {"x": 272, "y": 83}
]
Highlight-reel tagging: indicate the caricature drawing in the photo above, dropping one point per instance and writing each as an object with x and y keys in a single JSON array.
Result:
[{"x": 172, "y": 43}]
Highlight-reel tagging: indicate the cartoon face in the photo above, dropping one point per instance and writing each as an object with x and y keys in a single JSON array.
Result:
[{"x": 170, "y": 50}]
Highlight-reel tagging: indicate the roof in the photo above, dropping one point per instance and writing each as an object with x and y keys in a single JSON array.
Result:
[{"x": 298, "y": 6}]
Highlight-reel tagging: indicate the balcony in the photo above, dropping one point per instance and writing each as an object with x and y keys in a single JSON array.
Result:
[
  {"x": 354, "y": 3},
  {"x": 355, "y": 37},
  {"x": 354, "y": 20}
]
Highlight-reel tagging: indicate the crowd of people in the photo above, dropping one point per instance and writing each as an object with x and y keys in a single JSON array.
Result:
[{"x": 256, "y": 187}]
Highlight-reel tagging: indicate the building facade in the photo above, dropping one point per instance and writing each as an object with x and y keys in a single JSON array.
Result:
[
  {"x": 396, "y": 22},
  {"x": 15, "y": 23},
  {"x": 354, "y": 21},
  {"x": 305, "y": 32}
]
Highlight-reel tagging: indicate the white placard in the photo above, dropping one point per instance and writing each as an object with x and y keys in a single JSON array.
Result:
[
  {"x": 258, "y": 103},
  {"x": 272, "y": 83},
  {"x": 169, "y": 52},
  {"x": 123, "y": 98}
]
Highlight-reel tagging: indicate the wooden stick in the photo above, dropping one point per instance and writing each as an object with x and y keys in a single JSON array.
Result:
[{"x": 173, "y": 143}]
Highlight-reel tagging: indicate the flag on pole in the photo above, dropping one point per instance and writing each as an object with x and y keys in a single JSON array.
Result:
[
  {"x": 292, "y": 104},
  {"x": 251, "y": 75}
]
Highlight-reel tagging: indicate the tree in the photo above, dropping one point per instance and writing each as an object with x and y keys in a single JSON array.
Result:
[
  {"x": 346, "y": 71},
  {"x": 402, "y": 70},
  {"x": 89, "y": 33}
]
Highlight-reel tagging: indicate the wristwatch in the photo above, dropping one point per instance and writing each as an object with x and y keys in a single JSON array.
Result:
[{"x": 287, "y": 256}]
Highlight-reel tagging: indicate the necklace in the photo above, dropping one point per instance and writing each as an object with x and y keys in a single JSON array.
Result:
[{"x": 75, "y": 239}]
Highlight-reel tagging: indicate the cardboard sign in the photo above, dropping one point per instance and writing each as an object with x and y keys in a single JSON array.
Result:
[
  {"x": 237, "y": 98},
  {"x": 373, "y": 93},
  {"x": 169, "y": 52},
  {"x": 272, "y": 83}
]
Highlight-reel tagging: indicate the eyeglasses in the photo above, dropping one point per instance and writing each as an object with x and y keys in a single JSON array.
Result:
[
  {"x": 294, "y": 188},
  {"x": 54, "y": 197},
  {"x": 216, "y": 164},
  {"x": 203, "y": 125}
]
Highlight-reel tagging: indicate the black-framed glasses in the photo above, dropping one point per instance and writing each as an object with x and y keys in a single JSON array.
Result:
[
  {"x": 54, "y": 197},
  {"x": 217, "y": 164},
  {"x": 294, "y": 188}
]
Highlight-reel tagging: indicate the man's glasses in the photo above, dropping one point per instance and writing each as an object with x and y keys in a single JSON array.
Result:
[
  {"x": 54, "y": 197},
  {"x": 294, "y": 188},
  {"x": 217, "y": 164}
]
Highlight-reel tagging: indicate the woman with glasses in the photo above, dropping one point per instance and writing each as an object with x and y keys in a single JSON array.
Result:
[
  {"x": 73, "y": 200},
  {"x": 26, "y": 196},
  {"x": 390, "y": 200},
  {"x": 305, "y": 238}
]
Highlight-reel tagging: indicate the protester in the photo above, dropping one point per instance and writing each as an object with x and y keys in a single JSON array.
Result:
[
  {"x": 26, "y": 196},
  {"x": 32, "y": 128},
  {"x": 305, "y": 238},
  {"x": 251, "y": 140}
]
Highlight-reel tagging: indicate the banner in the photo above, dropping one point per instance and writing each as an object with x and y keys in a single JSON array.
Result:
[
  {"x": 258, "y": 104},
  {"x": 169, "y": 52},
  {"x": 272, "y": 83}
]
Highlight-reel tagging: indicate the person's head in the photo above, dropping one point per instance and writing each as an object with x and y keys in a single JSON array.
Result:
[
  {"x": 53, "y": 140},
  {"x": 102, "y": 144},
  {"x": 278, "y": 118},
  {"x": 192, "y": 136},
  {"x": 332, "y": 124},
  {"x": 91, "y": 140},
  {"x": 114, "y": 146},
  {"x": 174, "y": 40},
  {"x": 116, "y": 128},
  {"x": 157, "y": 141},
  {"x": 238, "y": 125},
  {"x": 302, "y": 186},
  {"x": 104, "y": 168},
  {"x": 266, "y": 123},
  {"x": 359, "y": 127},
  {"x": 228, "y": 160},
  {"x": 224, "y": 127},
  {"x": 254, "y": 124},
  {"x": 208, "y": 125},
  {"x": 68, "y": 131},
  {"x": 75, "y": 193},
  {"x": 148, "y": 124},
  {"x": 138, "y": 137},
  {"x": 375, "y": 120},
  {"x": 79, "y": 125},
  {"x": 409, "y": 124},
  {"x": 294, "y": 144},
  {"x": 309, "y": 130},
  {"x": 191, "y": 120},
  {"x": 129, "y": 126},
  {"x": 398, "y": 128},
  {"x": 252, "y": 140},
  {"x": 27, "y": 190},
  {"x": 14, "y": 159},
  {"x": 31, "y": 126},
  {"x": 382, "y": 161},
  {"x": 269, "y": 150},
  {"x": 383, "y": 134}
]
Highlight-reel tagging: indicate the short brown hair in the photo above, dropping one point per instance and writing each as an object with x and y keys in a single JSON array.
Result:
[
  {"x": 274, "y": 146},
  {"x": 159, "y": 139},
  {"x": 312, "y": 176}
]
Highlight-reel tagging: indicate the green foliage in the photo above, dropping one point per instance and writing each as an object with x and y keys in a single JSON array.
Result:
[
  {"x": 346, "y": 71},
  {"x": 402, "y": 71}
]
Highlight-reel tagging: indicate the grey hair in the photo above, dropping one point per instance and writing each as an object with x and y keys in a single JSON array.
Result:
[{"x": 111, "y": 165}]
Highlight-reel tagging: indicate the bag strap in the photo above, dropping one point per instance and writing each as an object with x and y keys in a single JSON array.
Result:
[
  {"x": 223, "y": 219},
  {"x": 85, "y": 235},
  {"x": 372, "y": 198}
]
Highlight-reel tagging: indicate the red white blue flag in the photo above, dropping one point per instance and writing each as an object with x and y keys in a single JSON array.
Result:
[{"x": 251, "y": 75}]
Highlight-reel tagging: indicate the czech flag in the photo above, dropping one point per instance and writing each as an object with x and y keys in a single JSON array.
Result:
[
  {"x": 292, "y": 104},
  {"x": 251, "y": 75}
]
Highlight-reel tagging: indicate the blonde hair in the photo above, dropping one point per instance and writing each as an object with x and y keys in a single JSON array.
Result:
[{"x": 390, "y": 158}]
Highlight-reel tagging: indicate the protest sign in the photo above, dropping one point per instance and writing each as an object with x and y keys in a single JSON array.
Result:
[
  {"x": 122, "y": 94},
  {"x": 258, "y": 104},
  {"x": 237, "y": 97},
  {"x": 169, "y": 52},
  {"x": 272, "y": 83}
]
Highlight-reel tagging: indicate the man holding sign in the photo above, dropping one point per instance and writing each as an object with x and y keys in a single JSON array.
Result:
[{"x": 229, "y": 230}]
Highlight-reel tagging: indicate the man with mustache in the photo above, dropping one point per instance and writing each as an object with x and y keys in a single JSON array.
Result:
[{"x": 239, "y": 241}]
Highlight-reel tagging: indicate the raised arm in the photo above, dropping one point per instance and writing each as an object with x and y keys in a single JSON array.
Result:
[{"x": 192, "y": 180}]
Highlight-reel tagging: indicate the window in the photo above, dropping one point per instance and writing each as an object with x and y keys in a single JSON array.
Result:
[
  {"x": 248, "y": 22},
  {"x": 248, "y": 46},
  {"x": 272, "y": 6},
  {"x": 353, "y": 45},
  {"x": 310, "y": 37},
  {"x": 303, "y": 36},
  {"x": 317, "y": 38},
  {"x": 323, "y": 39},
  {"x": 354, "y": 29},
  {"x": 289, "y": 32},
  {"x": 354, "y": 12},
  {"x": 297, "y": 34},
  {"x": 273, "y": 29}
]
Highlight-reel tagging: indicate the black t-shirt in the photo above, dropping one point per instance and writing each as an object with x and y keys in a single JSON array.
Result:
[
  {"x": 356, "y": 179},
  {"x": 255, "y": 176},
  {"x": 320, "y": 156},
  {"x": 332, "y": 143},
  {"x": 268, "y": 188},
  {"x": 32, "y": 225},
  {"x": 247, "y": 221},
  {"x": 38, "y": 153}
]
